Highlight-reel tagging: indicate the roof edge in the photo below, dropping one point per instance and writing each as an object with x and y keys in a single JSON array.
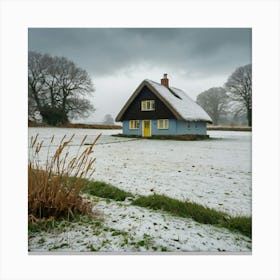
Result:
[
  {"x": 148, "y": 83},
  {"x": 128, "y": 102},
  {"x": 136, "y": 92}
]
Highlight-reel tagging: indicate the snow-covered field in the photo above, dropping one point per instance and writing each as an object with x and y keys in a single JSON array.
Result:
[
  {"x": 215, "y": 173},
  {"x": 127, "y": 228}
]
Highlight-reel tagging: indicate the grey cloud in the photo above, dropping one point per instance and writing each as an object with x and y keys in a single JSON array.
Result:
[{"x": 206, "y": 51}]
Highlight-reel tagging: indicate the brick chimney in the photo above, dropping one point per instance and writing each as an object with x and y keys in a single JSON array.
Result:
[{"x": 164, "y": 81}]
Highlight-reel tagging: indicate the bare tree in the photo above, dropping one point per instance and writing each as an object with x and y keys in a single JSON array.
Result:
[
  {"x": 108, "y": 119},
  {"x": 36, "y": 75},
  {"x": 214, "y": 101},
  {"x": 239, "y": 86},
  {"x": 58, "y": 88}
]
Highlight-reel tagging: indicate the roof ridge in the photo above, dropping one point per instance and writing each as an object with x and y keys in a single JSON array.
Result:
[
  {"x": 148, "y": 80},
  {"x": 168, "y": 88},
  {"x": 176, "y": 88}
]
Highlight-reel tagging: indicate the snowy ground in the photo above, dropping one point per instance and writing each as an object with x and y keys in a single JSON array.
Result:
[
  {"x": 215, "y": 173},
  {"x": 126, "y": 228}
]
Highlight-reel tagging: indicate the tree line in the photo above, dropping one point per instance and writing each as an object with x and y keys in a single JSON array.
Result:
[
  {"x": 59, "y": 91},
  {"x": 233, "y": 100}
]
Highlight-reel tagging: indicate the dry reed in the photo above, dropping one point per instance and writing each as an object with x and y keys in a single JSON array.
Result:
[{"x": 54, "y": 185}]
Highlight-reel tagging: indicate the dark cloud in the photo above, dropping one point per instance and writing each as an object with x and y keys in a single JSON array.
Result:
[{"x": 102, "y": 51}]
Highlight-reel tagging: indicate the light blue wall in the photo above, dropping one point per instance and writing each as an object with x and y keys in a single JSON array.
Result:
[
  {"x": 126, "y": 129},
  {"x": 175, "y": 128},
  {"x": 172, "y": 130},
  {"x": 183, "y": 129}
]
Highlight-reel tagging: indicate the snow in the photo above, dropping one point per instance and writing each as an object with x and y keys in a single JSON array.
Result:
[
  {"x": 136, "y": 229},
  {"x": 184, "y": 105},
  {"x": 215, "y": 173}
]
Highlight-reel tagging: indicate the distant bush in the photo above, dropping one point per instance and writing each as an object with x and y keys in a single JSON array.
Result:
[{"x": 51, "y": 193}]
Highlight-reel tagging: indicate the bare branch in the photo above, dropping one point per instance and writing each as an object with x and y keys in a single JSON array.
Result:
[
  {"x": 57, "y": 88},
  {"x": 239, "y": 86}
]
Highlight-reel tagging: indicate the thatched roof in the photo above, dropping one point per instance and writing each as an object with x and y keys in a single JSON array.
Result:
[{"x": 176, "y": 100}]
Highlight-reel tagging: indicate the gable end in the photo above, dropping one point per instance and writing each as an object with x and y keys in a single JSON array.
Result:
[{"x": 132, "y": 108}]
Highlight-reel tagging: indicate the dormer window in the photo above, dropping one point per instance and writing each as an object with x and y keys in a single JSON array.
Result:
[{"x": 148, "y": 105}]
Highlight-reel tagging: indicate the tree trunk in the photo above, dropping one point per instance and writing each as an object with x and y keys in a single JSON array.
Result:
[{"x": 249, "y": 116}]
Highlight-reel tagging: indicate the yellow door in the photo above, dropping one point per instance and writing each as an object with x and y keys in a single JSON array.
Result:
[{"x": 146, "y": 128}]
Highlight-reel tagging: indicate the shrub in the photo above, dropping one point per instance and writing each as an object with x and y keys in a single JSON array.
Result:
[{"x": 50, "y": 191}]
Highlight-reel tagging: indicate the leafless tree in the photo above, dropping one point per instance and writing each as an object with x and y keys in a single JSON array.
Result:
[
  {"x": 108, "y": 119},
  {"x": 214, "y": 101},
  {"x": 239, "y": 86},
  {"x": 57, "y": 88}
]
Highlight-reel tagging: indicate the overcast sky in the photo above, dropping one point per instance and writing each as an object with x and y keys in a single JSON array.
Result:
[{"x": 118, "y": 60}]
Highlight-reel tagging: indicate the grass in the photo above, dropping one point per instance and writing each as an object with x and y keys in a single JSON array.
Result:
[
  {"x": 60, "y": 246},
  {"x": 51, "y": 195},
  {"x": 62, "y": 224},
  {"x": 197, "y": 212},
  {"x": 192, "y": 210},
  {"x": 91, "y": 248},
  {"x": 104, "y": 190},
  {"x": 241, "y": 224},
  {"x": 55, "y": 188}
]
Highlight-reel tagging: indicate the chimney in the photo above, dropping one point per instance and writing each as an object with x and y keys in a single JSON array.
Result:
[{"x": 164, "y": 81}]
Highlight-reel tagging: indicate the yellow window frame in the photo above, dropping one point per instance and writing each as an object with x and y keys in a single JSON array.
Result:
[
  {"x": 134, "y": 124},
  {"x": 148, "y": 105},
  {"x": 163, "y": 124}
]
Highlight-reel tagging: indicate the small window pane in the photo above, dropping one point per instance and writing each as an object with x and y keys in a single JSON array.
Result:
[
  {"x": 148, "y": 105},
  {"x": 134, "y": 124},
  {"x": 163, "y": 124}
]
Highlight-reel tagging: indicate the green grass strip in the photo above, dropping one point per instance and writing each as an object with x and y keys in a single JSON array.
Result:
[
  {"x": 197, "y": 212},
  {"x": 104, "y": 190},
  {"x": 173, "y": 206},
  {"x": 241, "y": 224}
]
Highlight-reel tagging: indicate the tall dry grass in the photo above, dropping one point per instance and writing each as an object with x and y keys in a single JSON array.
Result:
[{"x": 54, "y": 185}]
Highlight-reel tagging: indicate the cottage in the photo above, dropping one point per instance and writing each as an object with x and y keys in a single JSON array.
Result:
[{"x": 157, "y": 109}]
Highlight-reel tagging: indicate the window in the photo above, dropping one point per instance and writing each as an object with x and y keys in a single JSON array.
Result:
[
  {"x": 188, "y": 124},
  {"x": 134, "y": 124},
  {"x": 196, "y": 124},
  {"x": 163, "y": 124},
  {"x": 148, "y": 105}
]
